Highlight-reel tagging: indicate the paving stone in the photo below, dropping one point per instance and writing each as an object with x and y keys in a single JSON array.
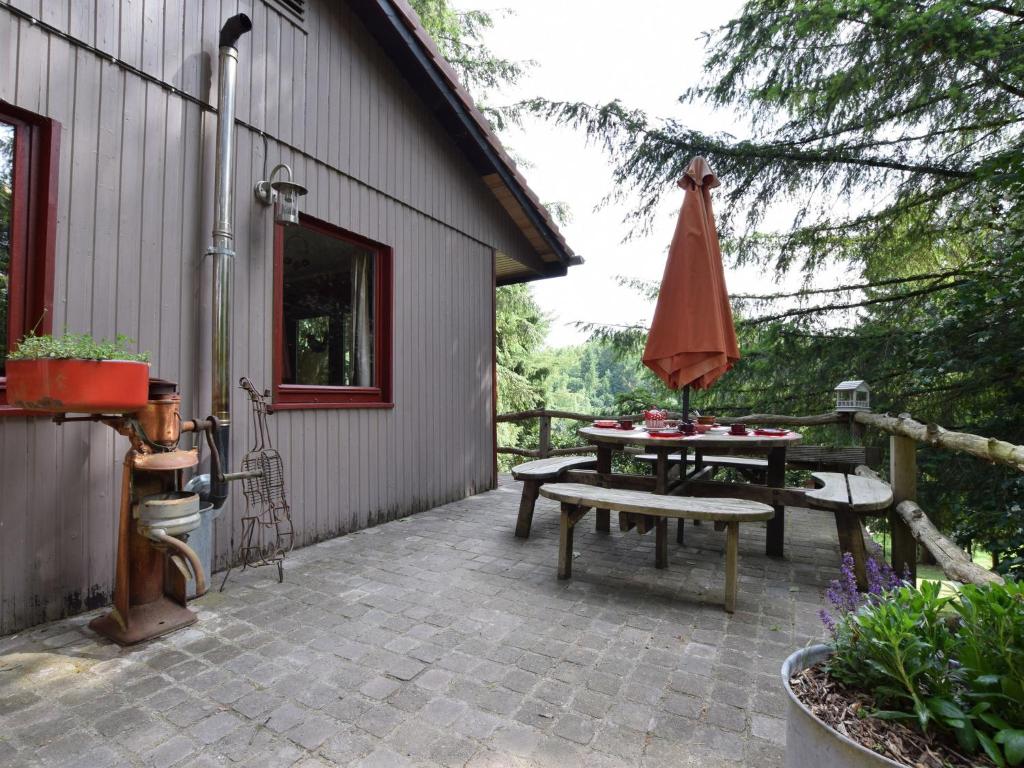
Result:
[
  {"x": 619, "y": 741},
  {"x": 214, "y": 727},
  {"x": 673, "y": 727},
  {"x": 380, "y": 688},
  {"x": 683, "y": 705},
  {"x": 348, "y": 709},
  {"x": 726, "y": 717},
  {"x": 380, "y": 720},
  {"x": 477, "y": 724},
  {"x": 285, "y": 717},
  {"x": 575, "y": 728},
  {"x": 314, "y": 731},
  {"x": 409, "y": 698},
  {"x": 517, "y": 739},
  {"x": 434, "y": 679},
  {"x": 190, "y": 711},
  {"x": 174, "y": 751},
  {"x": 443, "y": 711},
  {"x": 539, "y": 714},
  {"x": 438, "y": 641},
  {"x": 382, "y": 757},
  {"x": 554, "y": 751},
  {"x": 452, "y": 750},
  {"x": 347, "y": 746},
  {"x": 771, "y": 729},
  {"x": 631, "y": 715},
  {"x": 604, "y": 683},
  {"x": 257, "y": 703}
]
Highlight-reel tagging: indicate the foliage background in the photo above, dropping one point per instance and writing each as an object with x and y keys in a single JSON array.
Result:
[{"x": 893, "y": 130}]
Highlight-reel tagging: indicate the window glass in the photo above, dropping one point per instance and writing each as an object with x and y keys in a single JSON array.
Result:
[
  {"x": 6, "y": 185},
  {"x": 328, "y": 310}
]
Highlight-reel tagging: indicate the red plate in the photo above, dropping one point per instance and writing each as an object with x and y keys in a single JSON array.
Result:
[
  {"x": 672, "y": 435},
  {"x": 771, "y": 432},
  {"x": 606, "y": 424}
]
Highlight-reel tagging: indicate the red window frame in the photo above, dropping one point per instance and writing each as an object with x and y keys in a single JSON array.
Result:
[
  {"x": 33, "y": 228},
  {"x": 305, "y": 396}
]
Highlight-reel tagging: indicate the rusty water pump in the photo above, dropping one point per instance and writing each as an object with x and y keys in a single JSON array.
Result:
[{"x": 154, "y": 560}]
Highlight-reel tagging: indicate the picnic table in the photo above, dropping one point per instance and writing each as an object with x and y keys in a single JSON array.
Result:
[{"x": 609, "y": 440}]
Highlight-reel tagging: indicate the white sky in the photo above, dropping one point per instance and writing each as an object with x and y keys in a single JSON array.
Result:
[{"x": 645, "y": 53}]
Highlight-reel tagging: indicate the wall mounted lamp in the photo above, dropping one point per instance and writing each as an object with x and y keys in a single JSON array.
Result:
[{"x": 283, "y": 194}]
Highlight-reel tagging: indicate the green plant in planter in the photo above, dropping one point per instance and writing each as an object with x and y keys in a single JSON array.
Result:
[
  {"x": 76, "y": 346},
  {"x": 952, "y": 664}
]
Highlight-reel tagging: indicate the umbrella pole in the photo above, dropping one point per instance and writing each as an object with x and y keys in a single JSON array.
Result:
[{"x": 686, "y": 404}]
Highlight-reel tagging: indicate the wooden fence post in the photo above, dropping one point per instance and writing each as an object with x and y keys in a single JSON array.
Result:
[
  {"x": 545, "y": 436},
  {"x": 903, "y": 475},
  {"x": 856, "y": 431}
]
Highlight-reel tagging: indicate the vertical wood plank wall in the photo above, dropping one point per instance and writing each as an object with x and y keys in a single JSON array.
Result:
[{"x": 134, "y": 218}]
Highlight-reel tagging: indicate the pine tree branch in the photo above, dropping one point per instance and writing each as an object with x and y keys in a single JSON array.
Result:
[
  {"x": 748, "y": 150},
  {"x": 845, "y": 288},
  {"x": 998, "y": 82},
  {"x": 851, "y": 305},
  {"x": 998, "y": 8}
]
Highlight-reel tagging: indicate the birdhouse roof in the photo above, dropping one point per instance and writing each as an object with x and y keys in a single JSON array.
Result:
[{"x": 852, "y": 384}]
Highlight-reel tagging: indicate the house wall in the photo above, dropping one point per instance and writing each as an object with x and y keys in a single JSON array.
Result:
[{"x": 134, "y": 219}]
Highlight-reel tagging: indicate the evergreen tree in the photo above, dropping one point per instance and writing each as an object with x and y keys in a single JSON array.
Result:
[{"x": 895, "y": 128}]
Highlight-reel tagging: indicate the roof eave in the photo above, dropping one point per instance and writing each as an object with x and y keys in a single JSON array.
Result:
[{"x": 394, "y": 21}]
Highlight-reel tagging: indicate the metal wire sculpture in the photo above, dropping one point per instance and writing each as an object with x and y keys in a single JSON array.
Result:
[{"x": 267, "y": 534}]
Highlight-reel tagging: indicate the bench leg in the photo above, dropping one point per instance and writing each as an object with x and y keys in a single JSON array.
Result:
[
  {"x": 679, "y": 531},
  {"x": 732, "y": 556},
  {"x": 774, "y": 540},
  {"x": 565, "y": 529},
  {"x": 851, "y": 539},
  {"x": 604, "y": 466},
  {"x": 661, "y": 543},
  {"x": 531, "y": 490}
]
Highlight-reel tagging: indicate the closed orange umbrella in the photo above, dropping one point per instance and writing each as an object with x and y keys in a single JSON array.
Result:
[{"x": 692, "y": 341}]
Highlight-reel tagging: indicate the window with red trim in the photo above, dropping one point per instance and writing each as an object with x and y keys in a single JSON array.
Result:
[
  {"x": 332, "y": 318},
  {"x": 29, "y": 156}
]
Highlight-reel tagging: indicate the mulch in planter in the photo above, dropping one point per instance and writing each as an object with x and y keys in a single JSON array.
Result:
[{"x": 843, "y": 709}]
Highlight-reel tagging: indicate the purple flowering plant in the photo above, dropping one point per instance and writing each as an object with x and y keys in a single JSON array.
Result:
[
  {"x": 844, "y": 596},
  {"x": 946, "y": 664}
]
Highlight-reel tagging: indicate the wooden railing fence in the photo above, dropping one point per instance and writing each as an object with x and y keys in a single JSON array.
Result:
[{"x": 909, "y": 524}]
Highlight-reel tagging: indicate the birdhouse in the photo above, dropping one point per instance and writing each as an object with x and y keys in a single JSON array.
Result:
[{"x": 853, "y": 396}]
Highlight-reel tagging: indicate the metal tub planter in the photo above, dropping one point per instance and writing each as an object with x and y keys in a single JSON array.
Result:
[{"x": 809, "y": 742}]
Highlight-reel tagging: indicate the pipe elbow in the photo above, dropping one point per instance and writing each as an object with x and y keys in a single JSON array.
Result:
[
  {"x": 185, "y": 551},
  {"x": 233, "y": 29}
]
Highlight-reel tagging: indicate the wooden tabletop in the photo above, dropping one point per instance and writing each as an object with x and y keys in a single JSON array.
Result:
[{"x": 712, "y": 440}]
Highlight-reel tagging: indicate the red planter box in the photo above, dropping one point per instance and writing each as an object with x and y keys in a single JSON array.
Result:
[{"x": 78, "y": 386}]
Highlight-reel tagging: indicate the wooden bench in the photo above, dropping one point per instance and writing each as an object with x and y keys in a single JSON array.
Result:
[
  {"x": 752, "y": 468},
  {"x": 533, "y": 475},
  {"x": 829, "y": 458},
  {"x": 849, "y": 497},
  {"x": 576, "y": 499}
]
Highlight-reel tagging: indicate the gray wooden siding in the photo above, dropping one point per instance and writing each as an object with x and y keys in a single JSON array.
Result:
[{"x": 134, "y": 219}]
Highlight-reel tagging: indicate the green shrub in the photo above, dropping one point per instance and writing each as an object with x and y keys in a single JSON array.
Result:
[
  {"x": 953, "y": 664},
  {"x": 75, "y": 346}
]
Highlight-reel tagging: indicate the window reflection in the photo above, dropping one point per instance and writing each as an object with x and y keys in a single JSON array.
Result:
[
  {"x": 6, "y": 201},
  {"x": 328, "y": 310}
]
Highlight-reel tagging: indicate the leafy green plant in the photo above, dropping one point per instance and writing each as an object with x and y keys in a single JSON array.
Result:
[
  {"x": 950, "y": 664},
  {"x": 76, "y": 346}
]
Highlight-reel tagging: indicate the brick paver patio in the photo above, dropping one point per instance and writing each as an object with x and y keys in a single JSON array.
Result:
[{"x": 440, "y": 639}]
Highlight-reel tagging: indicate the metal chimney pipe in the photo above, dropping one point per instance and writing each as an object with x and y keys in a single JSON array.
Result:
[{"x": 223, "y": 249}]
